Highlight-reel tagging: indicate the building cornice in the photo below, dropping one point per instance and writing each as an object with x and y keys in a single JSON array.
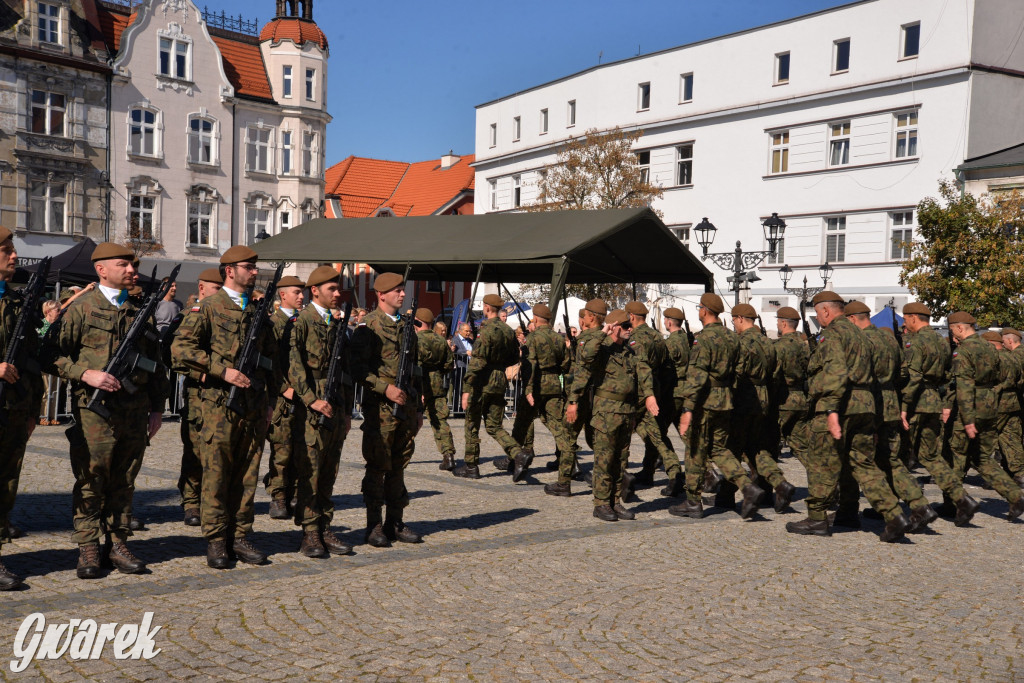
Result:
[{"x": 54, "y": 58}]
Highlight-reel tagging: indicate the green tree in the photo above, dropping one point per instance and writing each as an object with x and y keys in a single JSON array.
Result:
[{"x": 969, "y": 255}]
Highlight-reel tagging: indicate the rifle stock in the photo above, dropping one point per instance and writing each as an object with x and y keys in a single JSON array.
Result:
[
  {"x": 250, "y": 359},
  {"x": 335, "y": 373},
  {"x": 405, "y": 380}
]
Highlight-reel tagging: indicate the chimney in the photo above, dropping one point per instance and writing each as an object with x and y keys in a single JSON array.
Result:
[{"x": 449, "y": 160}]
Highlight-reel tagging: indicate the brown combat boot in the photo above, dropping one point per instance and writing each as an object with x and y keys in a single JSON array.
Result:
[
  {"x": 333, "y": 544},
  {"x": 675, "y": 486},
  {"x": 217, "y": 553},
  {"x": 605, "y": 513},
  {"x": 895, "y": 528},
  {"x": 688, "y": 509},
  {"x": 9, "y": 580},
  {"x": 247, "y": 552},
  {"x": 89, "y": 561},
  {"x": 920, "y": 518},
  {"x": 192, "y": 517},
  {"x": 467, "y": 471},
  {"x": 396, "y": 530},
  {"x": 622, "y": 513},
  {"x": 279, "y": 508},
  {"x": 311, "y": 545},
  {"x": 123, "y": 559},
  {"x": 809, "y": 527},
  {"x": 557, "y": 489},
  {"x": 447, "y": 462},
  {"x": 751, "y": 497},
  {"x": 783, "y": 495},
  {"x": 375, "y": 536},
  {"x": 966, "y": 507}
]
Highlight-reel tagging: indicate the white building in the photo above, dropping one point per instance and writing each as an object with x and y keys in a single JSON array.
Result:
[{"x": 841, "y": 121}]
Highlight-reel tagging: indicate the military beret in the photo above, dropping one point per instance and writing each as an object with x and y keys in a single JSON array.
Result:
[
  {"x": 712, "y": 302},
  {"x": 5, "y": 234},
  {"x": 787, "y": 313},
  {"x": 494, "y": 300},
  {"x": 211, "y": 275},
  {"x": 617, "y": 317},
  {"x": 425, "y": 315},
  {"x": 109, "y": 250},
  {"x": 1010, "y": 330},
  {"x": 290, "y": 281},
  {"x": 744, "y": 310},
  {"x": 961, "y": 317},
  {"x": 598, "y": 306},
  {"x": 855, "y": 307},
  {"x": 322, "y": 275},
  {"x": 385, "y": 282},
  {"x": 917, "y": 308},
  {"x": 238, "y": 254},
  {"x": 636, "y": 308},
  {"x": 823, "y": 297},
  {"x": 992, "y": 336},
  {"x": 542, "y": 311},
  {"x": 675, "y": 314}
]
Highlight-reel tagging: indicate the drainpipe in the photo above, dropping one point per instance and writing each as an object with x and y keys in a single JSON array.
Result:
[
  {"x": 234, "y": 172},
  {"x": 110, "y": 145}
]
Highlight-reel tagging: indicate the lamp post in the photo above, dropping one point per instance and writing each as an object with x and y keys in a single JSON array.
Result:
[
  {"x": 738, "y": 261},
  {"x": 804, "y": 293}
]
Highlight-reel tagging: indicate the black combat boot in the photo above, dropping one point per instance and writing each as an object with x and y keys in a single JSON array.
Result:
[
  {"x": 9, "y": 580},
  {"x": 217, "y": 553},
  {"x": 725, "y": 498},
  {"x": 503, "y": 463},
  {"x": 467, "y": 471},
  {"x": 311, "y": 545},
  {"x": 920, "y": 518},
  {"x": 628, "y": 484},
  {"x": 688, "y": 509},
  {"x": 752, "y": 494},
  {"x": 676, "y": 486},
  {"x": 192, "y": 517},
  {"x": 948, "y": 508},
  {"x": 965, "y": 509},
  {"x": 849, "y": 519},
  {"x": 712, "y": 481},
  {"x": 247, "y": 552},
  {"x": 622, "y": 513},
  {"x": 333, "y": 544},
  {"x": 605, "y": 513},
  {"x": 279, "y": 508},
  {"x": 375, "y": 529},
  {"x": 783, "y": 495},
  {"x": 124, "y": 560},
  {"x": 645, "y": 477},
  {"x": 809, "y": 527},
  {"x": 396, "y": 530},
  {"x": 895, "y": 528},
  {"x": 89, "y": 561},
  {"x": 558, "y": 489}
]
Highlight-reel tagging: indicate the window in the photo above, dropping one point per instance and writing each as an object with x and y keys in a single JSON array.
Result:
[
  {"x": 835, "y": 239},
  {"x": 780, "y": 253},
  {"x": 200, "y": 221},
  {"x": 200, "y": 140},
  {"x": 571, "y": 117},
  {"x": 516, "y": 128},
  {"x": 906, "y": 135},
  {"x": 309, "y": 165},
  {"x": 682, "y": 232},
  {"x": 46, "y": 210},
  {"x": 517, "y": 191},
  {"x": 782, "y": 68},
  {"x": 643, "y": 160},
  {"x": 685, "y": 88},
  {"x": 286, "y": 81},
  {"x": 839, "y": 144},
  {"x": 684, "y": 164},
  {"x": 910, "y": 44},
  {"x": 258, "y": 150},
  {"x": 286, "y": 152},
  {"x": 643, "y": 97},
  {"x": 780, "y": 151},
  {"x": 48, "y": 23},
  {"x": 902, "y": 234},
  {"x": 47, "y": 113},
  {"x": 494, "y": 135},
  {"x": 309, "y": 211},
  {"x": 493, "y": 191},
  {"x": 257, "y": 219},
  {"x": 285, "y": 220},
  {"x": 174, "y": 58},
  {"x": 841, "y": 56},
  {"x": 140, "y": 216},
  {"x": 310, "y": 82},
  {"x": 142, "y": 133},
  {"x": 543, "y": 121}
]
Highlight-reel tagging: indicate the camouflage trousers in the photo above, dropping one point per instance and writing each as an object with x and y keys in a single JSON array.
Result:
[
  {"x": 612, "y": 434},
  {"x": 846, "y": 466},
  {"x": 230, "y": 449},
  {"x": 887, "y": 457},
  {"x": 13, "y": 437},
  {"x": 756, "y": 438},
  {"x": 582, "y": 424},
  {"x": 105, "y": 456},
  {"x": 793, "y": 427},
  {"x": 437, "y": 414},
  {"x": 925, "y": 440},
  {"x": 190, "y": 479},
  {"x": 979, "y": 453},
  {"x": 550, "y": 409},
  {"x": 1011, "y": 441},
  {"x": 287, "y": 437},
  {"x": 316, "y": 464},
  {"x": 708, "y": 439},
  {"x": 654, "y": 432},
  {"x": 388, "y": 445},
  {"x": 491, "y": 407}
]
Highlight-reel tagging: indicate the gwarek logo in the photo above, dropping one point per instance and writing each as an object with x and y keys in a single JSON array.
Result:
[{"x": 82, "y": 639}]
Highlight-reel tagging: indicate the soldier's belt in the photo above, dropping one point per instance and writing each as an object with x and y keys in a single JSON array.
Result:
[{"x": 615, "y": 396}]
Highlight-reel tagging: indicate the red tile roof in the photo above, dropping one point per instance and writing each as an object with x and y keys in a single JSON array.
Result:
[{"x": 299, "y": 31}]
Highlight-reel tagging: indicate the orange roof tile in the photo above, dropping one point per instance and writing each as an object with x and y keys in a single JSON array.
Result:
[
  {"x": 299, "y": 31},
  {"x": 427, "y": 187},
  {"x": 113, "y": 24}
]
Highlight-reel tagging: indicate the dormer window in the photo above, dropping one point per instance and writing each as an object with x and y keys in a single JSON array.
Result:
[
  {"x": 48, "y": 23},
  {"x": 174, "y": 58}
]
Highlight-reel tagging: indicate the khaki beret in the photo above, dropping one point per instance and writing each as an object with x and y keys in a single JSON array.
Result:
[
  {"x": 321, "y": 275},
  {"x": 636, "y": 308},
  {"x": 425, "y": 315},
  {"x": 237, "y": 254},
  {"x": 211, "y": 275},
  {"x": 855, "y": 307},
  {"x": 917, "y": 308},
  {"x": 675, "y": 314},
  {"x": 5, "y": 234},
  {"x": 744, "y": 310},
  {"x": 598, "y": 306},
  {"x": 109, "y": 250},
  {"x": 787, "y": 313},
  {"x": 290, "y": 281},
  {"x": 617, "y": 317},
  {"x": 961, "y": 317},
  {"x": 542, "y": 311},
  {"x": 1010, "y": 330},
  {"x": 385, "y": 282},
  {"x": 494, "y": 300},
  {"x": 992, "y": 336},
  {"x": 712, "y": 302},
  {"x": 823, "y": 297}
]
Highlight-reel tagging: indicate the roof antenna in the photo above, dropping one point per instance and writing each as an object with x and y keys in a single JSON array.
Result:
[
  {"x": 599, "y": 56},
  {"x": 638, "y": 49}
]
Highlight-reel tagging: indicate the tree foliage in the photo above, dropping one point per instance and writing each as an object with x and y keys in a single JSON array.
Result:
[{"x": 969, "y": 255}]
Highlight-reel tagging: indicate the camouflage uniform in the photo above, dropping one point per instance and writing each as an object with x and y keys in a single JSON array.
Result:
[
  {"x": 437, "y": 361},
  {"x": 549, "y": 361},
  {"x": 105, "y": 453},
  {"x": 586, "y": 346},
  {"x": 286, "y": 433},
  {"x": 753, "y": 420},
  {"x": 230, "y": 444},
  {"x": 654, "y": 430},
  {"x": 790, "y": 387},
  {"x": 678, "y": 346},
  {"x": 1008, "y": 424},
  {"x": 495, "y": 350},
  {"x": 190, "y": 480}
]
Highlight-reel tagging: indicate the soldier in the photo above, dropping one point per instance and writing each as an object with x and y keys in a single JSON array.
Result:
[
  {"x": 388, "y": 442},
  {"x": 975, "y": 405},
  {"x": 483, "y": 393},
  {"x": 678, "y": 346},
  {"x": 1008, "y": 425},
  {"x": 437, "y": 361},
  {"x": 191, "y": 479},
  {"x": 885, "y": 360},
  {"x": 591, "y": 318},
  {"x": 707, "y": 403},
  {"x": 313, "y": 339},
  {"x": 21, "y": 399},
  {"x": 230, "y": 443},
  {"x": 790, "y": 383},
  {"x": 843, "y": 426},
  {"x": 621, "y": 376},
  {"x": 1014, "y": 460},
  {"x": 287, "y": 432},
  {"x": 105, "y": 451}
]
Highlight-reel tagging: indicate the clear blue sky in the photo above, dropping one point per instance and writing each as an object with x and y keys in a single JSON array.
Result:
[{"x": 406, "y": 75}]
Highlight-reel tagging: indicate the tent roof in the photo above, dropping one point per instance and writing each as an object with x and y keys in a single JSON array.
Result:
[{"x": 609, "y": 245}]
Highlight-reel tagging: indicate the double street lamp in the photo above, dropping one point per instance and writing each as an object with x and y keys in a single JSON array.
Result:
[
  {"x": 805, "y": 293},
  {"x": 738, "y": 261}
]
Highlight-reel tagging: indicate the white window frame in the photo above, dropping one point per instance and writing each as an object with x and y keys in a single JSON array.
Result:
[
  {"x": 288, "y": 166},
  {"x": 517, "y": 128},
  {"x": 143, "y": 211},
  {"x": 310, "y": 211},
  {"x": 684, "y": 165},
  {"x": 544, "y": 121},
  {"x": 683, "y": 232},
  {"x": 904, "y": 224},
  {"x": 903, "y": 40},
  {"x": 49, "y": 24},
  {"x": 50, "y": 203},
  {"x": 174, "y": 45},
  {"x": 310, "y": 84},
  {"x": 906, "y": 133},
  {"x": 154, "y": 128},
  {"x": 284, "y": 221},
  {"x": 255, "y": 222},
  {"x": 839, "y": 140},
  {"x": 494, "y": 135},
  {"x": 643, "y": 160},
  {"x": 570, "y": 114},
  {"x": 286, "y": 81},
  {"x": 255, "y": 144},
  {"x": 778, "y": 156},
  {"x": 310, "y": 150},
  {"x": 780, "y": 58},
  {"x": 780, "y": 252},
  {"x": 198, "y": 199},
  {"x": 517, "y": 191},
  {"x": 198, "y": 136},
  {"x": 492, "y": 185},
  {"x": 835, "y": 56},
  {"x": 643, "y": 92},
  {"x": 686, "y": 88},
  {"x": 48, "y": 109},
  {"x": 835, "y": 227}
]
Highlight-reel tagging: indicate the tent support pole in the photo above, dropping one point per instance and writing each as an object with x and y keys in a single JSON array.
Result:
[
  {"x": 559, "y": 273},
  {"x": 634, "y": 291},
  {"x": 472, "y": 298}
]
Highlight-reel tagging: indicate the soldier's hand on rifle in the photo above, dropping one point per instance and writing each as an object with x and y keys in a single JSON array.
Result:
[
  {"x": 903, "y": 418},
  {"x": 465, "y": 400},
  {"x": 684, "y": 423},
  {"x": 396, "y": 395},
  {"x": 323, "y": 407},
  {"x": 972, "y": 431},
  {"x": 232, "y": 376},
  {"x": 946, "y": 412},
  {"x": 97, "y": 379},
  {"x": 155, "y": 420},
  {"x": 529, "y": 399},
  {"x": 652, "y": 405},
  {"x": 833, "y": 426},
  {"x": 8, "y": 373}
]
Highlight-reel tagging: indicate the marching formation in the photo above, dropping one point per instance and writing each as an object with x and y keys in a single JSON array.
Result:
[{"x": 858, "y": 406}]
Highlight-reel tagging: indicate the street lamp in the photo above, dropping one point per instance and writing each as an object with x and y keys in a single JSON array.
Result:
[
  {"x": 739, "y": 261},
  {"x": 804, "y": 293}
]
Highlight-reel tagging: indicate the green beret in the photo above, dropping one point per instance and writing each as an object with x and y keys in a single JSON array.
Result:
[
  {"x": 826, "y": 297},
  {"x": 322, "y": 275},
  {"x": 636, "y": 308},
  {"x": 787, "y": 313},
  {"x": 712, "y": 302},
  {"x": 542, "y": 311},
  {"x": 385, "y": 282},
  {"x": 855, "y": 307}
]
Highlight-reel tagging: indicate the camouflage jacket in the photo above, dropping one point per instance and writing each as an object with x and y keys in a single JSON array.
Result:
[
  {"x": 711, "y": 373},
  {"x": 436, "y": 359},
  {"x": 548, "y": 360},
  {"x": 839, "y": 372},
  {"x": 621, "y": 378},
  {"x": 885, "y": 363},
  {"x": 89, "y": 335},
  {"x": 587, "y": 345},
  {"x": 282, "y": 325},
  {"x": 678, "y": 347},
  {"x": 927, "y": 371},
  {"x": 648, "y": 341},
  {"x": 309, "y": 359},
  {"x": 976, "y": 373},
  {"x": 790, "y": 379},
  {"x": 754, "y": 370},
  {"x": 27, "y": 392},
  {"x": 376, "y": 353},
  {"x": 1009, "y": 383},
  {"x": 495, "y": 350}
]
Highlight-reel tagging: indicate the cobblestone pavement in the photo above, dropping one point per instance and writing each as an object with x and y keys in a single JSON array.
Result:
[{"x": 513, "y": 584}]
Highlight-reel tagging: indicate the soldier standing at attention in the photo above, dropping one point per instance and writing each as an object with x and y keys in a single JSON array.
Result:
[
  {"x": 1011, "y": 342},
  {"x": 707, "y": 403},
  {"x": 790, "y": 385},
  {"x": 843, "y": 427},
  {"x": 484, "y": 392},
  {"x": 103, "y": 451},
  {"x": 191, "y": 480},
  {"x": 313, "y": 337},
  {"x": 286, "y": 433},
  {"x": 21, "y": 400},
  {"x": 388, "y": 442},
  {"x": 437, "y": 360},
  {"x": 231, "y": 444}
]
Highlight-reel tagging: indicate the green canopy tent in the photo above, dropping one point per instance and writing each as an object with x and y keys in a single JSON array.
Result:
[{"x": 560, "y": 247}]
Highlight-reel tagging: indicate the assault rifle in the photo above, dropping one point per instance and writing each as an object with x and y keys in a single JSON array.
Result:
[
  {"x": 895, "y": 327},
  {"x": 689, "y": 334},
  {"x": 760, "y": 323},
  {"x": 250, "y": 359},
  {"x": 126, "y": 358},
  {"x": 812, "y": 341},
  {"x": 568, "y": 330},
  {"x": 335, "y": 371},
  {"x": 29, "y": 310},
  {"x": 406, "y": 378}
]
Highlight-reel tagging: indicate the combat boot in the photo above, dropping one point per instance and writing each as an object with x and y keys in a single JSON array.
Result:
[
  {"x": 217, "y": 553},
  {"x": 447, "y": 462},
  {"x": 920, "y": 518},
  {"x": 311, "y": 545},
  {"x": 247, "y": 552},
  {"x": 751, "y": 496},
  {"x": 279, "y": 508},
  {"x": 849, "y": 519},
  {"x": 712, "y": 481},
  {"x": 521, "y": 466},
  {"x": 809, "y": 527},
  {"x": 123, "y": 559},
  {"x": 628, "y": 484},
  {"x": 192, "y": 517},
  {"x": 644, "y": 477},
  {"x": 89, "y": 561},
  {"x": 872, "y": 513},
  {"x": 895, "y": 528},
  {"x": 783, "y": 495},
  {"x": 622, "y": 513},
  {"x": 9, "y": 580},
  {"x": 396, "y": 530},
  {"x": 688, "y": 509},
  {"x": 375, "y": 536},
  {"x": 503, "y": 463},
  {"x": 557, "y": 489},
  {"x": 965, "y": 509},
  {"x": 574, "y": 473},
  {"x": 726, "y": 496},
  {"x": 136, "y": 524},
  {"x": 467, "y": 471},
  {"x": 1016, "y": 509},
  {"x": 605, "y": 513},
  {"x": 588, "y": 479},
  {"x": 675, "y": 486},
  {"x": 948, "y": 508},
  {"x": 333, "y": 544}
]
